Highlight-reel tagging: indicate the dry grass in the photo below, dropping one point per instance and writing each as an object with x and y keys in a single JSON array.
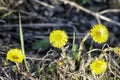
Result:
[{"x": 75, "y": 60}]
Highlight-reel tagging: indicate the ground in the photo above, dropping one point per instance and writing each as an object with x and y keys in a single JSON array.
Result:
[{"x": 39, "y": 18}]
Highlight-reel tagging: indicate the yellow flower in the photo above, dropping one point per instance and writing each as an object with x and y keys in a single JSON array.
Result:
[
  {"x": 58, "y": 38},
  {"x": 117, "y": 50},
  {"x": 15, "y": 55},
  {"x": 98, "y": 66},
  {"x": 60, "y": 63},
  {"x": 99, "y": 33}
]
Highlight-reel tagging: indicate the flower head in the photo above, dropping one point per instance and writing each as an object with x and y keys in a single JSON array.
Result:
[
  {"x": 99, "y": 33},
  {"x": 15, "y": 55},
  {"x": 58, "y": 38},
  {"x": 98, "y": 66},
  {"x": 117, "y": 50},
  {"x": 60, "y": 63}
]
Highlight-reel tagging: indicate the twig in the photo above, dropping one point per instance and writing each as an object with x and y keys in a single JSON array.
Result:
[
  {"x": 109, "y": 10},
  {"x": 37, "y": 59},
  {"x": 44, "y": 4},
  {"x": 70, "y": 37},
  {"x": 6, "y": 74},
  {"x": 4, "y": 78},
  {"x": 90, "y": 12},
  {"x": 39, "y": 25},
  {"x": 94, "y": 50},
  {"x": 3, "y": 8}
]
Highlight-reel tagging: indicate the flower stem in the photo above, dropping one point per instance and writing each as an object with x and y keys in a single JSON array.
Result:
[
  {"x": 104, "y": 51},
  {"x": 82, "y": 43}
]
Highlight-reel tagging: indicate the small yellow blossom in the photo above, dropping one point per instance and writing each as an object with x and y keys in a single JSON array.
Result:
[
  {"x": 15, "y": 55},
  {"x": 98, "y": 66},
  {"x": 99, "y": 33},
  {"x": 60, "y": 63},
  {"x": 58, "y": 38},
  {"x": 117, "y": 50}
]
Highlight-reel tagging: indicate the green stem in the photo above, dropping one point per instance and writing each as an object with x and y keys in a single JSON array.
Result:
[
  {"x": 73, "y": 44},
  {"x": 91, "y": 45},
  {"x": 22, "y": 42}
]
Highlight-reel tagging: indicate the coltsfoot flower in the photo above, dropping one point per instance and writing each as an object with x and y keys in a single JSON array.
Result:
[
  {"x": 58, "y": 38},
  {"x": 98, "y": 66},
  {"x": 60, "y": 63},
  {"x": 15, "y": 55},
  {"x": 99, "y": 33},
  {"x": 117, "y": 50}
]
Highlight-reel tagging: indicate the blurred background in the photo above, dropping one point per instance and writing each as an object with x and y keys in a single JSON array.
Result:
[{"x": 40, "y": 17}]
